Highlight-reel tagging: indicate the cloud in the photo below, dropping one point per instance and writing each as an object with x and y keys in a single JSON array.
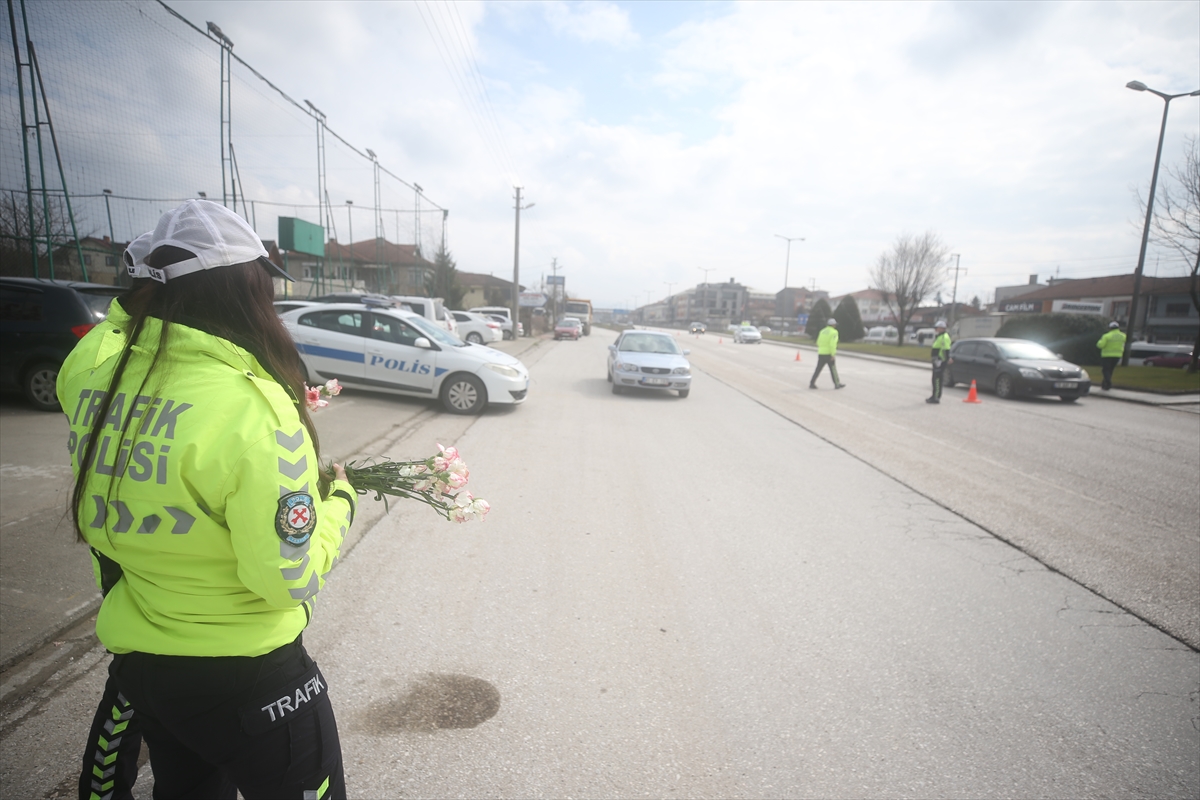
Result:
[{"x": 601, "y": 22}]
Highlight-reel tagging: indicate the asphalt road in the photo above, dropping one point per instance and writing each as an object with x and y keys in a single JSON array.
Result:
[
  {"x": 1103, "y": 491},
  {"x": 747, "y": 593}
]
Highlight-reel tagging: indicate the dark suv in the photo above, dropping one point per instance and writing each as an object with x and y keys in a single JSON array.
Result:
[{"x": 40, "y": 323}]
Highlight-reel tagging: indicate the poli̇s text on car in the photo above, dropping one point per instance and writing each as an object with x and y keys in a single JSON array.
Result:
[{"x": 392, "y": 350}]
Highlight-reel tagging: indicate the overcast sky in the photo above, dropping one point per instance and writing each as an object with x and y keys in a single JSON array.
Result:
[{"x": 663, "y": 142}]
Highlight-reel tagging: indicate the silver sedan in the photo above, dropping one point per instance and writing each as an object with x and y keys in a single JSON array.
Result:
[{"x": 648, "y": 360}]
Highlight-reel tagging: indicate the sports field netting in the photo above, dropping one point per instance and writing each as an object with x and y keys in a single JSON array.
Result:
[{"x": 135, "y": 94}]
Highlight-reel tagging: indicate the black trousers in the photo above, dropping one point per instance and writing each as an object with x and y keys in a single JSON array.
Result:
[
  {"x": 260, "y": 725},
  {"x": 821, "y": 362},
  {"x": 939, "y": 373},
  {"x": 114, "y": 743},
  {"x": 1107, "y": 365}
]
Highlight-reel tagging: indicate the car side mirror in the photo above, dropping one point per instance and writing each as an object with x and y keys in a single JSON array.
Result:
[
  {"x": 1060, "y": 355},
  {"x": 687, "y": 352},
  {"x": 423, "y": 343},
  {"x": 612, "y": 348}
]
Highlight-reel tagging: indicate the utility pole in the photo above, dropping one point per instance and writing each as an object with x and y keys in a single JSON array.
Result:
[
  {"x": 706, "y": 270},
  {"x": 670, "y": 305},
  {"x": 120, "y": 276},
  {"x": 554, "y": 290},
  {"x": 516, "y": 290},
  {"x": 954, "y": 296}
]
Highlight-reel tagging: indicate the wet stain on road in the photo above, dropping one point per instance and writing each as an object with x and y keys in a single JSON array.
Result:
[{"x": 438, "y": 701}]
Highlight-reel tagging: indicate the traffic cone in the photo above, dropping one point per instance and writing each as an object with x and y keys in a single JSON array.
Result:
[
  {"x": 972, "y": 396},
  {"x": 720, "y": 341},
  {"x": 797, "y": 355}
]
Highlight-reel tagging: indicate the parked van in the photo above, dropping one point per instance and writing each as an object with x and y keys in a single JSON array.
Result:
[
  {"x": 431, "y": 308},
  {"x": 882, "y": 334},
  {"x": 921, "y": 336},
  {"x": 978, "y": 327},
  {"x": 1140, "y": 351}
]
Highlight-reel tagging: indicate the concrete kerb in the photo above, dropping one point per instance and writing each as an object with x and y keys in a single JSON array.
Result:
[{"x": 1125, "y": 395}]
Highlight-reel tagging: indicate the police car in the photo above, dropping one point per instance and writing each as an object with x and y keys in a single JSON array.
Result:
[{"x": 396, "y": 351}]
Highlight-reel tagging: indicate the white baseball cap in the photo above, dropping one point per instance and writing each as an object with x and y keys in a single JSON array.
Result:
[
  {"x": 214, "y": 235},
  {"x": 135, "y": 258},
  {"x": 1114, "y": 324},
  {"x": 941, "y": 323},
  {"x": 831, "y": 321}
]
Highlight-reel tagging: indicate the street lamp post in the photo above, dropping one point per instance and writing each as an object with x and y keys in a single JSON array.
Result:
[
  {"x": 118, "y": 272},
  {"x": 670, "y": 305},
  {"x": 1138, "y": 86},
  {"x": 788, "y": 260},
  {"x": 350, "y": 219}
]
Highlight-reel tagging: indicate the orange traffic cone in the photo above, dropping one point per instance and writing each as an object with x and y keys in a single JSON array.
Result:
[
  {"x": 797, "y": 355},
  {"x": 720, "y": 341},
  {"x": 972, "y": 396}
]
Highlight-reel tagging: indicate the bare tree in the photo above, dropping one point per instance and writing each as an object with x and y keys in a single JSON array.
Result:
[
  {"x": 910, "y": 272},
  {"x": 1176, "y": 221}
]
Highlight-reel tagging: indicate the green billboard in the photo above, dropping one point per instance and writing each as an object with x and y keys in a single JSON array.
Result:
[{"x": 301, "y": 237}]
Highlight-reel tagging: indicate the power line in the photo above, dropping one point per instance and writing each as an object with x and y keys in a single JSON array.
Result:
[{"x": 471, "y": 102}]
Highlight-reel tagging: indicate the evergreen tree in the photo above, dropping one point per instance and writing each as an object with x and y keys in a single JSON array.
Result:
[
  {"x": 850, "y": 325},
  {"x": 445, "y": 280},
  {"x": 817, "y": 318}
]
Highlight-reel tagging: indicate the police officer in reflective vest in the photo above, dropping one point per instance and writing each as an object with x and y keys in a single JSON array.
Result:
[
  {"x": 1112, "y": 347},
  {"x": 939, "y": 356},
  {"x": 827, "y": 342},
  {"x": 212, "y": 526}
]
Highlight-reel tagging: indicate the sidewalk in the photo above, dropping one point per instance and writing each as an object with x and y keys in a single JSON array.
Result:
[{"x": 1176, "y": 402}]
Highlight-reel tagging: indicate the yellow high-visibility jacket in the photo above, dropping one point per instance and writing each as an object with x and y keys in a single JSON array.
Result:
[
  {"x": 1112, "y": 344},
  {"x": 827, "y": 341},
  {"x": 208, "y": 502}
]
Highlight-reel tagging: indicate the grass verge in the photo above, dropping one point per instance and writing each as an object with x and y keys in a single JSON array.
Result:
[{"x": 1149, "y": 379}]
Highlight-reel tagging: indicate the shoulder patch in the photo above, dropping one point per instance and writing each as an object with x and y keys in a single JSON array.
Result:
[{"x": 296, "y": 518}]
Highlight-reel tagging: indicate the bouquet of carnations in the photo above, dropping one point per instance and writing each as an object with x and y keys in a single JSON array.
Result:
[{"x": 439, "y": 481}]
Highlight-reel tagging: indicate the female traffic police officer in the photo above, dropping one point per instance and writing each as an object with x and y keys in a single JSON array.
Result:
[{"x": 197, "y": 488}]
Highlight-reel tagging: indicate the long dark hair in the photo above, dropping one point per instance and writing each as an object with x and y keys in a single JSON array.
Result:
[{"x": 233, "y": 303}]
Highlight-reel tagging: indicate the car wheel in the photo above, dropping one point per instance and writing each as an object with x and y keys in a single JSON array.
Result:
[
  {"x": 616, "y": 389},
  {"x": 463, "y": 394},
  {"x": 506, "y": 335},
  {"x": 474, "y": 338},
  {"x": 1068, "y": 398},
  {"x": 950, "y": 379},
  {"x": 684, "y": 392},
  {"x": 608, "y": 376},
  {"x": 39, "y": 386},
  {"x": 1004, "y": 386}
]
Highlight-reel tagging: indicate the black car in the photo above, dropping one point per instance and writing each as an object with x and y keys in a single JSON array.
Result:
[
  {"x": 1012, "y": 367},
  {"x": 698, "y": 327},
  {"x": 40, "y": 323}
]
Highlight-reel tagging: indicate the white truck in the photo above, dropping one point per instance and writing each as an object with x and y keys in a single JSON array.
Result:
[{"x": 581, "y": 310}]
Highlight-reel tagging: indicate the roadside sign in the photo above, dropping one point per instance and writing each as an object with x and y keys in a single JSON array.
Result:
[{"x": 531, "y": 300}]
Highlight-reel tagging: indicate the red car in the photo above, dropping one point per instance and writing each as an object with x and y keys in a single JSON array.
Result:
[
  {"x": 568, "y": 328},
  {"x": 1173, "y": 360}
]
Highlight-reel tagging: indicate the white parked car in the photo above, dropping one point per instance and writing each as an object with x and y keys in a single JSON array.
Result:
[
  {"x": 747, "y": 334},
  {"x": 396, "y": 351},
  {"x": 477, "y": 328},
  {"x": 502, "y": 313},
  {"x": 284, "y": 306}
]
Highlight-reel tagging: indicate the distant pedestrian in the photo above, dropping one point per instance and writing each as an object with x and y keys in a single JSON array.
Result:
[
  {"x": 1112, "y": 347},
  {"x": 827, "y": 342},
  {"x": 939, "y": 356}
]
